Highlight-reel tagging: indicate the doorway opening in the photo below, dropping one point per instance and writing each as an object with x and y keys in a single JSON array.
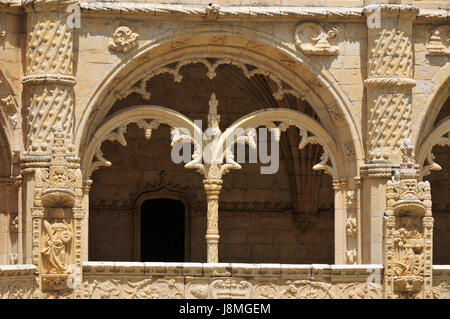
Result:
[{"x": 162, "y": 230}]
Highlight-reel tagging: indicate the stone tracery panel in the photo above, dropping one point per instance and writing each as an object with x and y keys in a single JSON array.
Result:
[{"x": 211, "y": 65}]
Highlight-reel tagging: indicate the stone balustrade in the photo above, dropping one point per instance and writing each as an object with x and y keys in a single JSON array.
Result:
[
  {"x": 17, "y": 281},
  {"x": 229, "y": 280}
]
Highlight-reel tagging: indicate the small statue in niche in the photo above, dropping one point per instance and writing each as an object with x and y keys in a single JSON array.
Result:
[{"x": 56, "y": 246}]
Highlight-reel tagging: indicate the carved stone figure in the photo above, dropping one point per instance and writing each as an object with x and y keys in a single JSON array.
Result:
[
  {"x": 314, "y": 39},
  {"x": 56, "y": 246}
]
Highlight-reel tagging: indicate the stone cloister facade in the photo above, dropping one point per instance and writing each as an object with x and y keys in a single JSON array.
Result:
[{"x": 97, "y": 96}]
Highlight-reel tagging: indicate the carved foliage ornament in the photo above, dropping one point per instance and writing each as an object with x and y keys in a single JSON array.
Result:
[
  {"x": 316, "y": 39},
  {"x": 123, "y": 39}
]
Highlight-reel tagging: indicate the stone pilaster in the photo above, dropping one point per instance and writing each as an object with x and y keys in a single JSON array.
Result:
[
  {"x": 408, "y": 233},
  {"x": 389, "y": 86},
  {"x": 53, "y": 190}
]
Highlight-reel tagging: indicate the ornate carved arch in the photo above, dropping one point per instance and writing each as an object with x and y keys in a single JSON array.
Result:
[
  {"x": 150, "y": 117},
  {"x": 241, "y": 46},
  {"x": 439, "y": 136},
  {"x": 277, "y": 121},
  {"x": 114, "y": 129}
]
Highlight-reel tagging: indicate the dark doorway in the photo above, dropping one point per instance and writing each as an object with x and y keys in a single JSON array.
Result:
[{"x": 162, "y": 230}]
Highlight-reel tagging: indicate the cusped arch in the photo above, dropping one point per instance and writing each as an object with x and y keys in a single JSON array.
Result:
[
  {"x": 287, "y": 117},
  {"x": 150, "y": 117},
  {"x": 247, "y": 46},
  {"x": 114, "y": 128}
]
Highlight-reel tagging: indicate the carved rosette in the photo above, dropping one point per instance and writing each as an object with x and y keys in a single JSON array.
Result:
[
  {"x": 389, "y": 80},
  {"x": 408, "y": 232},
  {"x": 123, "y": 40}
]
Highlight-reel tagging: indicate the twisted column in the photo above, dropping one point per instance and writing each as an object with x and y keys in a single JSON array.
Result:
[
  {"x": 389, "y": 86},
  {"x": 51, "y": 171},
  {"x": 212, "y": 190}
]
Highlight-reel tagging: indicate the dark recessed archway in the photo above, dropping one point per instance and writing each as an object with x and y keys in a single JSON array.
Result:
[{"x": 162, "y": 230}]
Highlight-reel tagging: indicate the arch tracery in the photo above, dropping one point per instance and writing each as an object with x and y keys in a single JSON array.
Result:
[
  {"x": 297, "y": 74},
  {"x": 439, "y": 136}
]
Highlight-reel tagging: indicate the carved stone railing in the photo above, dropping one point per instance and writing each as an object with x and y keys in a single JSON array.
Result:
[
  {"x": 17, "y": 281},
  {"x": 229, "y": 280},
  {"x": 441, "y": 281}
]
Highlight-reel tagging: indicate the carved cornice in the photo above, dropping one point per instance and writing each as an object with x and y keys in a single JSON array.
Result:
[
  {"x": 433, "y": 16},
  {"x": 394, "y": 10},
  {"x": 45, "y": 5},
  {"x": 225, "y": 12}
]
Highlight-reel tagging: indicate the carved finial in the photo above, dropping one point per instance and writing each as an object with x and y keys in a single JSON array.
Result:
[
  {"x": 212, "y": 12},
  {"x": 213, "y": 117}
]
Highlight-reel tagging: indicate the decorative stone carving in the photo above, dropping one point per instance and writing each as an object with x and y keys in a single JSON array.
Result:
[
  {"x": 9, "y": 110},
  {"x": 349, "y": 150},
  {"x": 56, "y": 245},
  {"x": 439, "y": 136},
  {"x": 408, "y": 229},
  {"x": 442, "y": 290},
  {"x": 391, "y": 58},
  {"x": 212, "y": 12},
  {"x": 351, "y": 227},
  {"x": 14, "y": 224},
  {"x": 49, "y": 107},
  {"x": 393, "y": 112},
  {"x": 211, "y": 65},
  {"x": 61, "y": 182},
  {"x": 438, "y": 41},
  {"x": 315, "y": 39},
  {"x": 351, "y": 256},
  {"x": 49, "y": 47},
  {"x": 303, "y": 221},
  {"x": 123, "y": 40}
]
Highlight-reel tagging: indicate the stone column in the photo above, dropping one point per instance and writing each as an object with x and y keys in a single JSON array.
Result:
[
  {"x": 339, "y": 221},
  {"x": 212, "y": 190},
  {"x": 389, "y": 86},
  {"x": 52, "y": 194}
]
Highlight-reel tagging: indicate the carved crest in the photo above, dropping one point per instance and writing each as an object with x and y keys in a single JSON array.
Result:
[{"x": 316, "y": 39}]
